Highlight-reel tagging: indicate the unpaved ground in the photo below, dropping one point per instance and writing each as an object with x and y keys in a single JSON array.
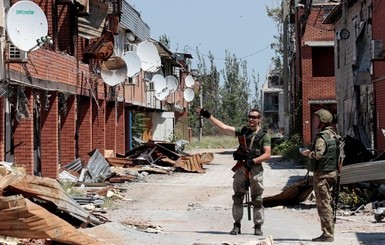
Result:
[{"x": 190, "y": 208}]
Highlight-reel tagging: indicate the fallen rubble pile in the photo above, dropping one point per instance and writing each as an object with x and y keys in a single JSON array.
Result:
[{"x": 33, "y": 207}]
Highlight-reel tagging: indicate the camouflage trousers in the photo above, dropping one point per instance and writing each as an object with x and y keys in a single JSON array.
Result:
[
  {"x": 323, "y": 183},
  {"x": 256, "y": 189}
]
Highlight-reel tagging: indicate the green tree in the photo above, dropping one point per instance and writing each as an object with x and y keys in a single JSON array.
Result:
[
  {"x": 208, "y": 77},
  {"x": 256, "y": 101},
  {"x": 138, "y": 124},
  {"x": 276, "y": 14},
  {"x": 235, "y": 92}
]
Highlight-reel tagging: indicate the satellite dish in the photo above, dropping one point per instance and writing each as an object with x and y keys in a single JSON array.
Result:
[
  {"x": 114, "y": 71},
  {"x": 26, "y": 23},
  {"x": 172, "y": 83},
  {"x": 188, "y": 94},
  {"x": 160, "y": 87},
  {"x": 149, "y": 56},
  {"x": 133, "y": 63},
  {"x": 189, "y": 81}
]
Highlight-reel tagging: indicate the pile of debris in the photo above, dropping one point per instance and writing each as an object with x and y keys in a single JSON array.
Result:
[{"x": 33, "y": 207}]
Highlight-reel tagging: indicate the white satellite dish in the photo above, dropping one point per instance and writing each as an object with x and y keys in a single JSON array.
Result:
[
  {"x": 25, "y": 24},
  {"x": 172, "y": 83},
  {"x": 114, "y": 71},
  {"x": 149, "y": 56},
  {"x": 160, "y": 87},
  {"x": 161, "y": 95},
  {"x": 189, "y": 81},
  {"x": 188, "y": 94},
  {"x": 133, "y": 63}
]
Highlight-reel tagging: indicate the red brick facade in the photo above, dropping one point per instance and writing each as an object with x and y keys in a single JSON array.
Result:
[
  {"x": 71, "y": 110},
  {"x": 379, "y": 75},
  {"x": 317, "y": 91}
]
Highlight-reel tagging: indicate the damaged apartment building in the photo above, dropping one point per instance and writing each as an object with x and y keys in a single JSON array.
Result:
[{"x": 63, "y": 93}]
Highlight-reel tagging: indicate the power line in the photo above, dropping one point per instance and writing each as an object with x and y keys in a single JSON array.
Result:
[{"x": 244, "y": 57}]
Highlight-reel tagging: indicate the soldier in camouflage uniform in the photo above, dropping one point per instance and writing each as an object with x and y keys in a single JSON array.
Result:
[
  {"x": 323, "y": 162},
  {"x": 259, "y": 150}
]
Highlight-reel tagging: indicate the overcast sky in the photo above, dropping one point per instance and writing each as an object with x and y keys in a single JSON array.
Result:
[{"x": 242, "y": 27}]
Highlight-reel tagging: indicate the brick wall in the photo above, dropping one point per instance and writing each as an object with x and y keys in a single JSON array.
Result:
[
  {"x": 110, "y": 126},
  {"x": 99, "y": 126},
  {"x": 67, "y": 132},
  {"x": 379, "y": 74},
  {"x": 23, "y": 137},
  {"x": 84, "y": 128},
  {"x": 314, "y": 88},
  {"x": 120, "y": 129},
  {"x": 49, "y": 136}
]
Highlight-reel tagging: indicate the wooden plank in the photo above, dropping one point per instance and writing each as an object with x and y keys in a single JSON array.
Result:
[{"x": 32, "y": 221}]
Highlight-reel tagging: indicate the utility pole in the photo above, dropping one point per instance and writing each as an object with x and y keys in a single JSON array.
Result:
[{"x": 200, "y": 117}]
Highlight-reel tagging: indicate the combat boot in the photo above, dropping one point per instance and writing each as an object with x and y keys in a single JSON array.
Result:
[
  {"x": 257, "y": 230},
  {"x": 236, "y": 229},
  {"x": 323, "y": 238}
]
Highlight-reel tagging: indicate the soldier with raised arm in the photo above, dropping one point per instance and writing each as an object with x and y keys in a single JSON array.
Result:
[{"x": 249, "y": 166}]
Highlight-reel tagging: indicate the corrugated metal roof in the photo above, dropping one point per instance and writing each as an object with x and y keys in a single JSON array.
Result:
[{"x": 130, "y": 19}]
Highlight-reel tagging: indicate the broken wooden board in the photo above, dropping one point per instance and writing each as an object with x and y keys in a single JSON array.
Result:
[
  {"x": 291, "y": 195},
  {"x": 190, "y": 163},
  {"x": 49, "y": 192},
  {"x": 206, "y": 157},
  {"x": 21, "y": 218},
  {"x": 120, "y": 162}
]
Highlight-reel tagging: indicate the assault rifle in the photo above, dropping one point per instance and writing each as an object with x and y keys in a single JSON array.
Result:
[
  {"x": 240, "y": 156},
  {"x": 336, "y": 188},
  {"x": 248, "y": 202}
]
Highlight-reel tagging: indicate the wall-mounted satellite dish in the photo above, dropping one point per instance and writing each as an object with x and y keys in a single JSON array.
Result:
[
  {"x": 172, "y": 83},
  {"x": 25, "y": 24},
  {"x": 133, "y": 63},
  {"x": 188, "y": 94},
  {"x": 149, "y": 56},
  {"x": 160, "y": 87},
  {"x": 113, "y": 71},
  {"x": 189, "y": 81}
]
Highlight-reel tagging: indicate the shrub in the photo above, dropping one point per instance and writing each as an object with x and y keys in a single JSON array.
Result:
[{"x": 288, "y": 149}]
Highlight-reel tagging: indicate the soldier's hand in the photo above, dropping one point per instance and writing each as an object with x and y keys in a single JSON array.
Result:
[
  {"x": 248, "y": 164},
  {"x": 250, "y": 155},
  {"x": 205, "y": 113}
]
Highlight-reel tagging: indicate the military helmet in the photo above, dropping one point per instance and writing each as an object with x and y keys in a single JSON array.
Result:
[{"x": 324, "y": 115}]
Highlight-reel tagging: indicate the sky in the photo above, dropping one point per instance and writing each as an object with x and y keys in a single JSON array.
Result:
[{"x": 242, "y": 27}]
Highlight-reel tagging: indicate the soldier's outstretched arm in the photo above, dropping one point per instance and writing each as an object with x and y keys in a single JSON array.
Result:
[{"x": 227, "y": 129}]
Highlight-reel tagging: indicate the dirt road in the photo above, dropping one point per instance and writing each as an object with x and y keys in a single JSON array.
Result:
[{"x": 191, "y": 208}]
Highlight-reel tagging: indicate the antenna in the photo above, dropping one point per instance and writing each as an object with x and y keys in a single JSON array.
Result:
[
  {"x": 188, "y": 94},
  {"x": 172, "y": 83},
  {"x": 133, "y": 63},
  {"x": 27, "y": 26},
  {"x": 113, "y": 71},
  {"x": 160, "y": 87},
  {"x": 149, "y": 56},
  {"x": 189, "y": 81}
]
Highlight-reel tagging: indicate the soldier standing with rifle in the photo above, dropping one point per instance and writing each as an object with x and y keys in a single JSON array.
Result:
[
  {"x": 249, "y": 156},
  {"x": 323, "y": 160}
]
